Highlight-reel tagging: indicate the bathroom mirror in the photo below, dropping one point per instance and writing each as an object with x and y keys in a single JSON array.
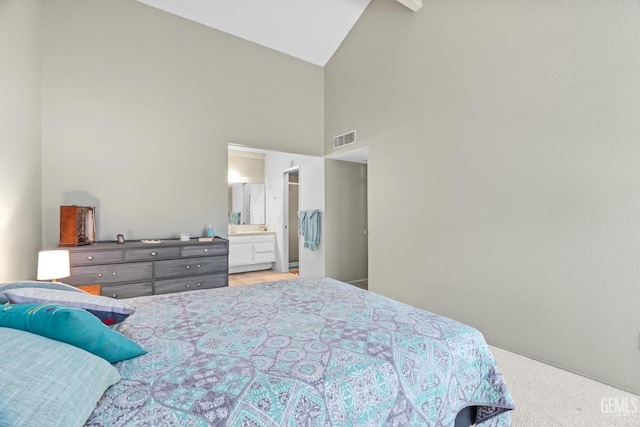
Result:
[
  {"x": 246, "y": 169},
  {"x": 246, "y": 203}
]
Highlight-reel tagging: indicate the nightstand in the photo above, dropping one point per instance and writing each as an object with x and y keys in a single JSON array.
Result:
[{"x": 94, "y": 289}]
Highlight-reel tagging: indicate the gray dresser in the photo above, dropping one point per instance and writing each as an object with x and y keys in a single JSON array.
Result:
[{"x": 133, "y": 269}]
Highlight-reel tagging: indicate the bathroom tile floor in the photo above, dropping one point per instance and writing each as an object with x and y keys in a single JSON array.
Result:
[{"x": 236, "y": 279}]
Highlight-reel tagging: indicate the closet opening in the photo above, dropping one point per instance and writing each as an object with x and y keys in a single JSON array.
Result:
[{"x": 291, "y": 239}]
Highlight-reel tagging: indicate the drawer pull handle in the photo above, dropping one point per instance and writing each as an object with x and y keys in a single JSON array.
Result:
[
  {"x": 206, "y": 250},
  {"x": 188, "y": 286},
  {"x": 188, "y": 267},
  {"x": 90, "y": 258},
  {"x": 154, "y": 253},
  {"x": 198, "y": 266},
  {"x": 198, "y": 284},
  {"x": 114, "y": 273},
  {"x": 99, "y": 274},
  {"x": 114, "y": 296}
]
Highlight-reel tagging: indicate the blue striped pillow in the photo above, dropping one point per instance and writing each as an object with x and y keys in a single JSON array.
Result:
[{"x": 49, "y": 383}]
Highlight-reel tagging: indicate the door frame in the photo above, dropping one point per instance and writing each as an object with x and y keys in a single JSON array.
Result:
[{"x": 285, "y": 216}]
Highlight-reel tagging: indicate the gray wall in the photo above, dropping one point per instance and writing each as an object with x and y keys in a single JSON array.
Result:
[
  {"x": 138, "y": 109},
  {"x": 346, "y": 219},
  {"x": 509, "y": 130},
  {"x": 20, "y": 149}
]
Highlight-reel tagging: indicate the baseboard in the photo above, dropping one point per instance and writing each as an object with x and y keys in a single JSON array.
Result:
[
  {"x": 251, "y": 267},
  {"x": 360, "y": 283},
  {"x": 564, "y": 368}
]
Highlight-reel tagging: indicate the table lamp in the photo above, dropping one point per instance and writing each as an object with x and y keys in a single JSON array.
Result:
[{"x": 53, "y": 265}]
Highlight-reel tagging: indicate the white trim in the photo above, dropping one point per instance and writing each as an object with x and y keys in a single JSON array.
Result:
[{"x": 250, "y": 267}]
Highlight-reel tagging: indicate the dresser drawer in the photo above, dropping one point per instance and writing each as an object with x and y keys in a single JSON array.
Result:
[
  {"x": 205, "y": 250},
  {"x": 106, "y": 274},
  {"x": 151, "y": 254},
  {"x": 192, "y": 283},
  {"x": 190, "y": 266},
  {"x": 128, "y": 291},
  {"x": 94, "y": 257}
]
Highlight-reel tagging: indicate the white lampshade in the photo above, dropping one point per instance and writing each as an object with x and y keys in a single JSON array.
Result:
[{"x": 53, "y": 265}]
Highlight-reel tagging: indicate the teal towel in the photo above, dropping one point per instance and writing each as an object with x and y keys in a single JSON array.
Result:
[
  {"x": 234, "y": 218},
  {"x": 312, "y": 229},
  {"x": 302, "y": 222}
]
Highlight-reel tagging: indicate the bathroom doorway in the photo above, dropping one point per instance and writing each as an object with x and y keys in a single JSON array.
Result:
[{"x": 291, "y": 198}]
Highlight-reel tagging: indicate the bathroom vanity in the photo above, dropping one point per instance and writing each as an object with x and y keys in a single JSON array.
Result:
[{"x": 251, "y": 251}]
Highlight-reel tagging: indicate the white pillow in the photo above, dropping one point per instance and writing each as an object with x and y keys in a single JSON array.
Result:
[
  {"x": 109, "y": 310},
  {"x": 34, "y": 284}
]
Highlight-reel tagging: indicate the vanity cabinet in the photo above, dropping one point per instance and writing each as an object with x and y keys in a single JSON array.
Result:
[
  {"x": 240, "y": 251},
  {"x": 134, "y": 269},
  {"x": 250, "y": 252}
]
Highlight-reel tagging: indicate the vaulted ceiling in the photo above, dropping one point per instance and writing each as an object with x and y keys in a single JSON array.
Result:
[{"x": 311, "y": 30}]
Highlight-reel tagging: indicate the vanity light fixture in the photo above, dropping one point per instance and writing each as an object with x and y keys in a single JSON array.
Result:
[{"x": 233, "y": 179}]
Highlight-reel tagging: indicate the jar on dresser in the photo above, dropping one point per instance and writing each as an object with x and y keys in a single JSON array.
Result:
[{"x": 134, "y": 268}]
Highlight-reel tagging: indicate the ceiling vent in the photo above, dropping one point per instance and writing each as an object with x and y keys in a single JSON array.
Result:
[{"x": 344, "y": 139}]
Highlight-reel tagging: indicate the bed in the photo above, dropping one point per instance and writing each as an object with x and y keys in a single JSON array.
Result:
[{"x": 305, "y": 352}]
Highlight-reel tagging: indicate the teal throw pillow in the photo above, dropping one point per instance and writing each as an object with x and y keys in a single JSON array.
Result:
[{"x": 72, "y": 326}]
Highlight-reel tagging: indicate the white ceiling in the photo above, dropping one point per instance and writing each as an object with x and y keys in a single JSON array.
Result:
[{"x": 310, "y": 30}]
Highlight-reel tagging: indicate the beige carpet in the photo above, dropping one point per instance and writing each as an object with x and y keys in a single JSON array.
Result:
[{"x": 548, "y": 396}]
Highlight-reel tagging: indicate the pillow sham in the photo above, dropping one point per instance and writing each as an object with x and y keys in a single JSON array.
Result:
[
  {"x": 109, "y": 310},
  {"x": 49, "y": 383},
  {"x": 34, "y": 284},
  {"x": 72, "y": 326}
]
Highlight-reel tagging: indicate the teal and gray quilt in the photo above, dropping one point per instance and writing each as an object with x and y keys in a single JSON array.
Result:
[{"x": 306, "y": 352}]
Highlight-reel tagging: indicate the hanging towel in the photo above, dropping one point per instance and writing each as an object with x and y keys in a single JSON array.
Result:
[
  {"x": 234, "y": 218},
  {"x": 309, "y": 227},
  {"x": 312, "y": 229},
  {"x": 302, "y": 222}
]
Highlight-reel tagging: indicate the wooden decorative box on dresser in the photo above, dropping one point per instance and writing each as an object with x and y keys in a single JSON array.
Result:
[{"x": 134, "y": 268}]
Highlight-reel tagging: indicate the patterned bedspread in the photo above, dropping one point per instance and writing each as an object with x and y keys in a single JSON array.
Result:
[{"x": 306, "y": 352}]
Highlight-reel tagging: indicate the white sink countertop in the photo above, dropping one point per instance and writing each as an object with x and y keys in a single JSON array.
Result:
[{"x": 248, "y": 233}]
